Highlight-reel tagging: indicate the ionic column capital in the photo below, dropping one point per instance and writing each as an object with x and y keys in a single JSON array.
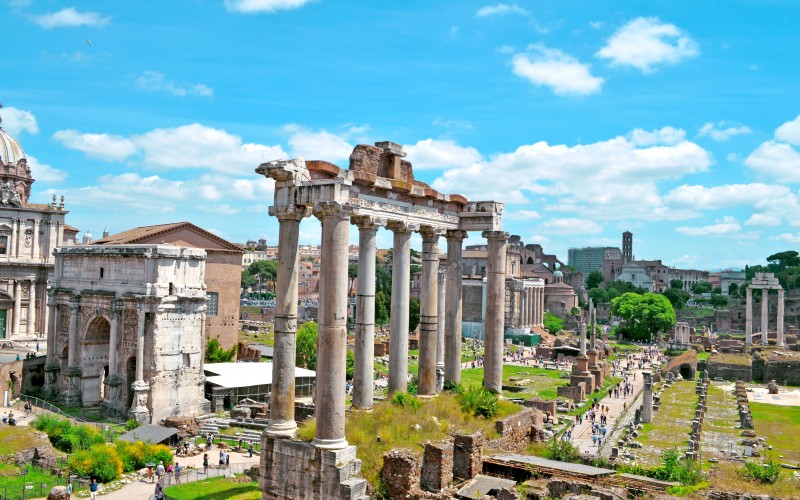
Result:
[
  {"x": 456, "y": 235},
  {"x": 368, "y": 222},
  {"x": 290, "y": 212},
  {"x": 333, "y": 209},
  {"x": 495, "y": 235},
  {"x": 397, "y": 226}
]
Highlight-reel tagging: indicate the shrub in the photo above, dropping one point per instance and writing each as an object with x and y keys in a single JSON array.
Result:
[
  {"x": 558, "y": 449},
  {"x": 478, "y": 401},
  {"x": 65, "y": 436},
  {"x": 767, "y": 472},
  {"x": 406, "y": 400},
  {"x": 101, "y": 462},
  {"x": 131, "y": 424},
  {"x": 135, "y": 455}
]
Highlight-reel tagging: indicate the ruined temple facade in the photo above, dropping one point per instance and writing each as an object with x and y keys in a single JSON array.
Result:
[
  {"x": 378, "y": 190},
  {"x": 126, "y": 330}
]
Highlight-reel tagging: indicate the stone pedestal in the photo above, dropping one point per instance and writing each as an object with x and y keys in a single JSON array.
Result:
[
  {"x": 299, "y": 470},
  {"x": 647, "y": 399},
  {"x": 71, "y": 396},
  {"x": 139, "y": 410},
  {"x": 112, "y": 405},
  {"x": 596, "y": 367},
  {"x": 51, "y": 386}
]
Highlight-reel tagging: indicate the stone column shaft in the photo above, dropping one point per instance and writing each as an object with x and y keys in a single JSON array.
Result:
[
  {"x": 583, "y": 339},
  {"x": 780, "y": 316},
  {"x": 495, "y": 307},
  {"x": 139, "y": 343},
  {"x": 401, "y": 284},
  {"x": 72, "y": 354},
  {"x": 332, "y": 346},
  {"x": 440, "y": 326},
  {"x": 764, "y": 316},
  {"x": 363, "y": 370},
  {"x": 14, "y": 237},
  {"x": 17, "y": 307},
  {"x": 428, "y": 317},
  {"x": 592, "y": 319},
  {"x": 748, "y": 316},
  {"x": 32, "y": 308},
  {"x": 282, "y": 422},
  {"x": 35, "y": 250},
  {"x": 113, "y": 343},
  {"x": 523, "y": 307},
  {"x": 452, "y": 332},
  {"x": 51, "y": 330}
]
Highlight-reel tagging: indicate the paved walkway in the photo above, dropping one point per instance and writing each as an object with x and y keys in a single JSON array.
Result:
[{"x": 618, "y": 408}]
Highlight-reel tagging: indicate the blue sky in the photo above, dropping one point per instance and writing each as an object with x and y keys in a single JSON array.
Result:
[{"x": 679, "y": 121}]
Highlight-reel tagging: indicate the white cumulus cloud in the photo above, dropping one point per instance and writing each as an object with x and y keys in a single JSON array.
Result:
[
  {"x": 263, "y": 6},
  {"x": 646, "y": 42},
  {"x": 763, "y": 220},
  {"x": 777, "y": 160},
  {"x": 18, "y": 120},
  {"x": 789, "y": 132},
  {"x": 555, "y": 69},
  {"x": 440, "y": 154},
  {"x": 44, "y": 173},
  {"x": 722, "y": 131},
  {"x": 523, "y": 215},
  {"x": 724, "y": 227},
  {"x": 501, "y": 9},
  {"x": 320, "y": 145},
  {"x": 153, "y": 81},
  {"x": 103, "y": 146},
  {"x": 70, "y": 17}
]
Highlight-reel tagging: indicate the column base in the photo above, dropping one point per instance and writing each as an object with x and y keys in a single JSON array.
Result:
[
  {"x": 279, "y": 429},
  {"x": 330, "y": 444},
  {"x": 139, "y": 411},
  {"x": 111, "y": 406},
  {"x": 72, "y": 395}
]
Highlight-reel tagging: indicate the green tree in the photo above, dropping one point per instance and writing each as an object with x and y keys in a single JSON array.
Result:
[
  {"x": 306, "y": 349},
  {"x": 676, "y": 284},
  {"x": 351, "y": 363},
  {"x": 702, "y": 287},
  {"x": 266, "y": 271},
  {"x": 594, "y": 279},
  {"x": 248, "y": 280},
  {"x": 718, "y": 301},
  {"x": 413, "y": 313},
  {"x": 552, "y": 323},
  {"x": 677, "y": 297},
  {"x": 216, "y": 354},
  {"x": 599, "y": 295},
  {"x": 644, "y": 315},
  {"x": 382, "y": 308},
  {"x": 784, "y": 260},
  {"x": 733, "y": 290}
]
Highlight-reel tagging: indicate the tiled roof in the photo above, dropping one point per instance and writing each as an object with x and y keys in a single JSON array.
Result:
[
  {"x": 71, "y": 229},
  {"x": 137, "y": 234}
]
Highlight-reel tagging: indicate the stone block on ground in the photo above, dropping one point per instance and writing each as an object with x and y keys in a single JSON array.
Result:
[
  {"x": 437, "y": 466},
  {"x": 400, "y": 471},
  {"x": 467, "y": 456}
]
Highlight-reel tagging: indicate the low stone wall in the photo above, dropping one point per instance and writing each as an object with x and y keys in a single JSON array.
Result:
[
  {"x": 686, "y": 362},
  {"x": 785, "y": 371},
  {"x": 518, "y": 430},
  {"x": 727, "y": 371},
  {"x": 548, "y": 407}
]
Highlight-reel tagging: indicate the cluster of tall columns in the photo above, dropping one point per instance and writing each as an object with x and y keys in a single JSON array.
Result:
[
  {"x": 440, "y": 331},
  {"x": 764, "y": 316},
  {"x": 532, "y": 306}
]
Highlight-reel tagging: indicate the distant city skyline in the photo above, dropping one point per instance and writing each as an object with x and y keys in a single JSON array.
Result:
[{"x": 676, "y": 121}]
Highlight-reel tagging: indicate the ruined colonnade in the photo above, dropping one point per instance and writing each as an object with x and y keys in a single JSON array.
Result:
[{"x": 764, "y": 282}]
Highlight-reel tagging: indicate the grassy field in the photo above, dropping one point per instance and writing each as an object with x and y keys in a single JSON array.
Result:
[
  {"x": 217, "y": 488},
  {"x": 388, "y": 426},
  {"x": 12, "y": 484},
  {"x": 537, "y": 382},
  {"x": 16, "y": 438},
  {"x": 721, "y": 425},
  {"x": 781, "y": 426},
  {"x": 672, "y": 423}
]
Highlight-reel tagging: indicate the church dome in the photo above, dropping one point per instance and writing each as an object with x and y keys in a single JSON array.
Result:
[
  {"x": 558, "y": 274},
  {"x": 10, "y": 150}
]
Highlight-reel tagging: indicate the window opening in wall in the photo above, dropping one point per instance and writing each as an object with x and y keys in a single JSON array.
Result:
[
  {"x": 186, "y": 361},
  {"x": 3, "y": 245},
  {"x": 102, "y": 271},
  {"x": 172, "y": 289},
  {"x": 213, "y": 304}
]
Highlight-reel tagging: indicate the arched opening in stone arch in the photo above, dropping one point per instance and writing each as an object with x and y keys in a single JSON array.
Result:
[
  {"x": 95, "y": 354},
  {"x": 98, "y": 331},
  {"x": 686, "y": 372},
  {"x": 530, "y": 260}
]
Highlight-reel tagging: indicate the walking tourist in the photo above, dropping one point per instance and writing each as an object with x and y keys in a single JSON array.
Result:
[{"x": 93, "y": 489}]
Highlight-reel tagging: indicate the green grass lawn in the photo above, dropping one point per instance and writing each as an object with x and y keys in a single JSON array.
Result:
[
  {"x": 537, "y": 382},
  {"x": 781, "y": 426},
  {"x": 13, "y": 484},
  {"x": 16, "y": 438},
  {"x": 672, "y": 423},
  {"x": 720, "y": 426},
  {"x": 217, "y": 488}
]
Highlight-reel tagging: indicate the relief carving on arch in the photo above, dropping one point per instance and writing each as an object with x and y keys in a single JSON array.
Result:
[
  {"x": 63, "y": 319},
  {"x": 130, "y": 325}
]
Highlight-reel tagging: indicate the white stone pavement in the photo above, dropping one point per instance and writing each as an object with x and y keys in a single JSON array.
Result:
[{"x": 582, "y": 433}]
